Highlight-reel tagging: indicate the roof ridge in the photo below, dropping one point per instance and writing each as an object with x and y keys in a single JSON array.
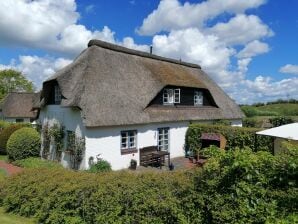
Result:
[{"x": 118, "y": 48}]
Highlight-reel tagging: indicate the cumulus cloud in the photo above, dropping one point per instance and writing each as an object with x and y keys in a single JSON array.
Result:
[
  {"x": 241, "y": 29},
  {"x": 289, "y": 69},
  {"x": 171, "y": 14},
  {"x": 37, "y": 69},
  {"x": 253, "y": 48},
  {"x": 44, "y": 24}
]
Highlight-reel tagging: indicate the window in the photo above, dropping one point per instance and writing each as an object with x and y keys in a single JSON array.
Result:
[
  {"x": 129, "y": 141},
  {"x": 198, "y": 98},
  {"x": 163, "y": 139},
  {"x": 57, "y": 95},
  {"x": 171, "y": 96},
  {"x": 18, "y": 120}
]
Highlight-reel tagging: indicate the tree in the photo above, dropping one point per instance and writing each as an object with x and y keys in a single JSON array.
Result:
[{"x": 13, "y": 81}]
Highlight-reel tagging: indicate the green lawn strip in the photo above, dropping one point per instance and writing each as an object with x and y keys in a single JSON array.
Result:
[
  {"x": 3, "y": 157},
  {"x": 7, "y": 218}
]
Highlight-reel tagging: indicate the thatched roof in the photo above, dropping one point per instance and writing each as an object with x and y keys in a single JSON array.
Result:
[
  {"x": 18, "y": 105},
  {"x": 113, "y": 85}
]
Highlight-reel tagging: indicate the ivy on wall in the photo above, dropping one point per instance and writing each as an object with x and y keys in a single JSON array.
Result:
[
  {"x": 46, "y": 141},
  {"x": 56, "y": 133}
]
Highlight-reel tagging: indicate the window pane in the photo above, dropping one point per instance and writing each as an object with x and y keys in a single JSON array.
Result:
[{"x": 177, "y": 95}]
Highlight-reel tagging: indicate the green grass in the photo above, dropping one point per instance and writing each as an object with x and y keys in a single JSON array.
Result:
[
  {"x": 7, "y": 218},
  {"x": 3, "y": 157},
  {"x": 287, "y": 109},
  {"x": 34, "y": 162},
  {"x": 3, "y": 174}
]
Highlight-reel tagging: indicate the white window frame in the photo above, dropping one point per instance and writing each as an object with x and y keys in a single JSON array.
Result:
[
  {"x": 163, "y": 139},
  {"x": 58, "y": 95},
  {"x": 171, "y": 96},
  {"x": 198, "y": 98},
  {"x": 130, "y": 138}
]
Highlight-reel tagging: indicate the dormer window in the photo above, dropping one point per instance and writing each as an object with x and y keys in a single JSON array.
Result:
[
  {"x": 198, "y": 98},
  {"x": 57, "y": 95},
  {"x": 171, "y": 96}
]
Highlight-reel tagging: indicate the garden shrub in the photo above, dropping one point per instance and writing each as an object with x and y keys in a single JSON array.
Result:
[
  {"x": 278, "y": 121},
  {"x": 237, "y": 137},
  {"x": 23, "y": 143},
  {"x": 34, "y": 162},
  {"x": 236, "y": 186},
  {"x": 249, "y": 122},
  {"x": 5, "y": 134},
  {"x": 100, "y": 166},
  {"x": 4, "y": 124}
]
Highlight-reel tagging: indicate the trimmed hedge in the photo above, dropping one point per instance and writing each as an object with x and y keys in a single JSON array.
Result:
[
  {"x": 237, "y": 137},
  {"x": 5, "y": 134},
  {"x": 236, "y": 186},
  {"x": 64, "y": 196},
  {"x": 23, "y": 143}
]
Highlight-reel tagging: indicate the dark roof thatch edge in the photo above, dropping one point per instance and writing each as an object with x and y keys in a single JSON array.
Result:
[{"x": 119, "y": 48}]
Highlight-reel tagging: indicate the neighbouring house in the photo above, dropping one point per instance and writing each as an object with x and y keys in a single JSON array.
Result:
[
  {"x": 119, "y": 100},
  {"x": 17, "y": 107},
  {"x": 288, "y": 132}
]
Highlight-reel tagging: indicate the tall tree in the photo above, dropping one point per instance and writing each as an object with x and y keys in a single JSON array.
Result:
[{"x": 13, "y": 81}]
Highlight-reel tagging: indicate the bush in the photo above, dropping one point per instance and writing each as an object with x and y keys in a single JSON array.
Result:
[
  {"x": 249, "y": 122},
  {"x": 58, "y": 196},
  {"x": 100, "y": 166},
  {"x": 236, "y": 186},
  {"x": 5, "y": 134},
  {"x": 4, "y": 124},
  {"x": 23, "y": 143},
  {"x": 33, "y": 162},
  {"x": 237, "y": 137},
  {"x": 278, "y": 121},
  {"x": 244, "y": 187}
]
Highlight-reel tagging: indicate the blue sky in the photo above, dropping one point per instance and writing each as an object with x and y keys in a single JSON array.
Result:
[{"x": 249, "y": 47}]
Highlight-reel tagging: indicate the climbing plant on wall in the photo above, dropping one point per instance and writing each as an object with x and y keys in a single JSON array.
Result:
[
  {"x": 56, "y": 132},
  {"x": 46, "y": 140},
  {"x": 76, "y": 148}
]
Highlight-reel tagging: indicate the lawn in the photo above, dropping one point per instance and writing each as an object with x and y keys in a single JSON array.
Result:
[
  {"x": 2, "y": 175},
  {"x": 6, "y": 218},
  {"x": 3, "y": 157},
  {"x": 287, "y": 109}
]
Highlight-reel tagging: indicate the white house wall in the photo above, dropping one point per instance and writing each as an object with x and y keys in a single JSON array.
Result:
[
  {"x": 70, "y": 118},
  {"x": 106, "y": 142}
]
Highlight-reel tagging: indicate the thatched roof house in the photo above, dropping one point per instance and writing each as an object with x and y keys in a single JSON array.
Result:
[
  {"x": 109, "y": 94},
  {"x": 121, "y": 100},
  {"x": 18, "y": 106}
]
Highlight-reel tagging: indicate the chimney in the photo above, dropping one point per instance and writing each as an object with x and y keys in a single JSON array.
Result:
[{"x": 151, "y": 49}]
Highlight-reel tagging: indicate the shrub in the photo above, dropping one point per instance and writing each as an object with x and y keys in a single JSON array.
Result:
[
  {"x": 5, "y": 134},
  {"x": 100, "y": 166},
  {"x": 278, "y": 121},
  {"x": 33, "y": 162},
  {"x": 4, "y": 124},
  {"x": 58, "y": 196},
  {"x": 23, "y": 143},
  {"x": 237, "y": 137},
  {"x": 249, "y": 122}
]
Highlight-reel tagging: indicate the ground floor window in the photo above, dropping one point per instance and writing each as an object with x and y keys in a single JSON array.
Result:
[
  {"x": 128, "y": 141},
  {"x": 163, "y": 139},
  {"x": 18, "y": 120}
]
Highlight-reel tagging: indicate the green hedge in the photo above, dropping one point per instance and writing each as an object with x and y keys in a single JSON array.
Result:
[
  {"x": 64, "y": 196},
  {"x": 236, "y": 186},
  {"x": 23, "y": 143},
  {"x": 237, "y": 137},
  {"x": 5, "y": 134}
]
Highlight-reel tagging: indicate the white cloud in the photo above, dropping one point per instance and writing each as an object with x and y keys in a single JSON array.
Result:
[
  {"x": 289, "y": 69},
  {"x": 50, "y": 25},
  {"x": 89, "y": 8},
  {"x": 241, "y": 29},
  {"x": 253, "y": 48},
  {"x": 37, "y": 69},
  {"x": 129, "y": 43},
  {"x": 193, "y": 46},
  {"x": 171, "y": 14}
]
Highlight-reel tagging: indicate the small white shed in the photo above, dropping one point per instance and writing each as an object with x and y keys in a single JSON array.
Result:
[{"x": 288, "y": 132}]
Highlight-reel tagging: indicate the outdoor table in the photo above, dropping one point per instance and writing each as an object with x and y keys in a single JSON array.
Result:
[{"x": 159, "y": 156}]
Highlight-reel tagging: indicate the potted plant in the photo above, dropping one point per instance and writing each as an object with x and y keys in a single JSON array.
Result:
[{"x": 133, "y": 164}]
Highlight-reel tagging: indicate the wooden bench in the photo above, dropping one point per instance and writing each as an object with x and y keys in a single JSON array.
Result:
[{"x": 146, "y": 157}]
